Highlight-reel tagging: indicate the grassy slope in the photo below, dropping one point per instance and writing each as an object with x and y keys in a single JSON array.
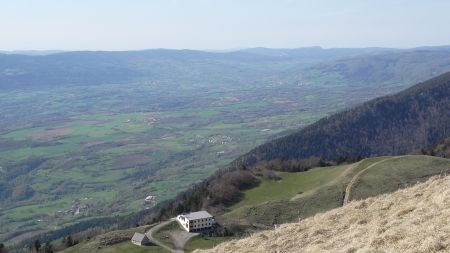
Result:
[
  {"x": 400, "y": 172},
  {"x": 114, "y": 242},
  {"x": 203, "y": 242},
  {"x": 97, "y": 244},
  {"x": 289, "y": 185},
  {"x": 410, "y": 220},
  {"x": 322, "y": 190},
  {"x": 281, "y": 204},
  {"x": 127, "y": 247}
]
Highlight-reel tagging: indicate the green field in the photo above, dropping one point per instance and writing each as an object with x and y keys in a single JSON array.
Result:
[
  {"x": 128, "y": 247},
  {"x": 204, "y": 242},
  {"x": 400, "y": 172},
  {"x": 114, "y": 242},
  {"x": 303, "y": 194},
  {"x": 289, "y": 185},
  {"x": 122, "y": 247},
  {"x": 62, "y": 162}
]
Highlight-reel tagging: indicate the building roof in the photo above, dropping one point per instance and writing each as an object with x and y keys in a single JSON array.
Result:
[
  {"x": 138, "y": 237},
  {"x": 198, "y": 215}
]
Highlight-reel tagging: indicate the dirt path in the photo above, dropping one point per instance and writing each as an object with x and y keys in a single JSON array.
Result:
[
  {"x": 355, "y": 177},
  {"x": 180, "y": 238},
  {"x": 156, "y": 228},
  {"x": 331, "y": 182}
]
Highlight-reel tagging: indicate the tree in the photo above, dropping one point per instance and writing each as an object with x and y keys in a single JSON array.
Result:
[
  {"x": 37, "y": 245},
  {"x": 69, "y": 241},
  {"x": 3, "y": 248},
  {"x": 48, "y": 248}
]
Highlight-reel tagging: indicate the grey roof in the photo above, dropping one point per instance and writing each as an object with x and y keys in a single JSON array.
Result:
[
  {"x": 198, "y": 215},
  {"x": 138, "y": 237}
]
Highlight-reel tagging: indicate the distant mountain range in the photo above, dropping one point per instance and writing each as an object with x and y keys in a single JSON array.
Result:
[
  {"x": 33, "y": 52},
  {"x": 22, "y": 69},
  {"x": 317, "y": 52}
]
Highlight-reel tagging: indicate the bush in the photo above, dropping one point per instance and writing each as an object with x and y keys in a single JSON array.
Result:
[{"x": 227, "y": 188}]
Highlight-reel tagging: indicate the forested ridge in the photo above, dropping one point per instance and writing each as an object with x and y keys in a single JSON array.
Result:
[{"x": 392, "y": 125}]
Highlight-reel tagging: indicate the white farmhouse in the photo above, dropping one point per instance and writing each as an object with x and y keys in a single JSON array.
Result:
[{"x": 196, "y": 221}]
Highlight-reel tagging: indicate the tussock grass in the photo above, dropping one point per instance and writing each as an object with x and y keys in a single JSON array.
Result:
[{"x": 415, "y": 219}]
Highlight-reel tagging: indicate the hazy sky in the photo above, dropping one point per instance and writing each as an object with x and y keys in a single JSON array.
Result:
[{"x": 221, "y": 24}]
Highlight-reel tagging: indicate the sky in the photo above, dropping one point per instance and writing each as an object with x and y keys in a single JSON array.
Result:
[{"x": 221, "y": 24}]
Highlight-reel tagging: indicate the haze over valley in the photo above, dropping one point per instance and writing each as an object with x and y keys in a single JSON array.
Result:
[{"x": 147, "y": 133}]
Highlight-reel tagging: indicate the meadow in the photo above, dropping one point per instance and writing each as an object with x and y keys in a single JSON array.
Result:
[{"x": 300, "y": 195}]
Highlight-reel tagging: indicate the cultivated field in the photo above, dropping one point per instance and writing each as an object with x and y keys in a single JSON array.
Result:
[{"x": 62, "y": 160}]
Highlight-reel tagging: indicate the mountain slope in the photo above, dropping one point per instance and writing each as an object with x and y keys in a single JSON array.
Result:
[
  {"x": 303, "y": 194},
  {"x": 413, "y": 119},
  {"x": 410, "y": 220},
  {"x": 402, "y": 66}
]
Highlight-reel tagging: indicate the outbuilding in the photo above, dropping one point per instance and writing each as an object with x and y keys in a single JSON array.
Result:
[{"x": 140, "y": 239}]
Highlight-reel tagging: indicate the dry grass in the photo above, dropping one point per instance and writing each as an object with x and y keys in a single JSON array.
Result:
[{"x": 415, "y": 219}]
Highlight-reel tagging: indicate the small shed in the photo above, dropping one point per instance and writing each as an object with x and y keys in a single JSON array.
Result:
[{"x": 140, "y": 239}]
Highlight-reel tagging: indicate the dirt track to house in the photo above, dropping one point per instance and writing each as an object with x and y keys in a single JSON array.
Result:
[
  {"x": 179, "y": 238},
  {"x": 156, "y": 228},
  {"x": 355, "y": 177}
]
